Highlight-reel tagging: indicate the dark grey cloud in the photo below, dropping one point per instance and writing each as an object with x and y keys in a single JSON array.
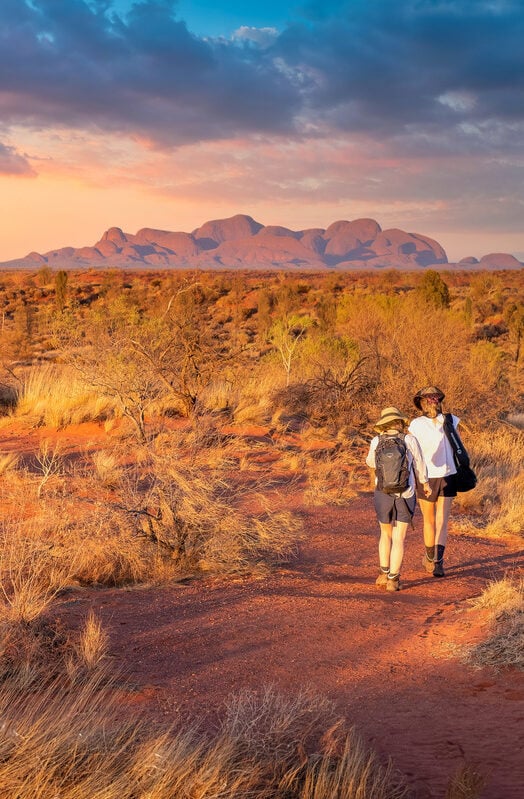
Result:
[
  {"x": 412, "y": 70},
  {"x": 389, "y": 65},
  {"x": 76, "y": 64},
  {"x": 12, "y": 163}
]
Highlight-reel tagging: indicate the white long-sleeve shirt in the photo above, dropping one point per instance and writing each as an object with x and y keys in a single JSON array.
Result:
[
  {"x": 434, "y": 444},
  {"x": 415, "y": 462}
]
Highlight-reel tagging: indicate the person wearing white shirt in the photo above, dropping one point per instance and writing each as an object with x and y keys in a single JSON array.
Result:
[
  {"x": 428, "y": 429},
  {"x": 395, "y": 510}
]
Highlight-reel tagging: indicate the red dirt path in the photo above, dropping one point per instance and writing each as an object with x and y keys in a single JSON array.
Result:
[{"x": 383, "y": 658}]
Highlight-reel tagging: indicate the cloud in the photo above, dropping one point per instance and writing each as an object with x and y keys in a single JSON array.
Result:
[
  {"x": 262, "y": 37},
  {"x": 12, "y": 163},
  {"x": 77, "y": 65},
  {"x": 393, "y": 69}
]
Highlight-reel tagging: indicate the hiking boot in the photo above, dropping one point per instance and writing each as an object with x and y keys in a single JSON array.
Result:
[
  {"x": 429, "y": 565},
  {"x": 393, "y": 583},
  {"x": 438, "y": 570},
  {"x": 382, "y": 579}
]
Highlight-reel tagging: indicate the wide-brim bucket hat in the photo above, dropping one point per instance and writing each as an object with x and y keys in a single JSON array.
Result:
[
  {"x": 424, "y": 392},
  {"x": 387, "y": 416}
]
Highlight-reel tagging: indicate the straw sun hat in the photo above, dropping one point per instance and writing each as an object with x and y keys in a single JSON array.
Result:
[{"x": 387, "y": 416}]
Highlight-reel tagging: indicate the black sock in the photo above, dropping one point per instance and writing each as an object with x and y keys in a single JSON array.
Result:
[
  {"x": 393, "y": 576},
  {"x": 430, "y": 552},
  {"x": 384, "y": 569},
  {"x": 440, "y": 552}
]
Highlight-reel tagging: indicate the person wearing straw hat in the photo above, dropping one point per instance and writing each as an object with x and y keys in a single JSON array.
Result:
[
  {"x": 428, "y": 429},
  {"x": 394, "y": 504}
]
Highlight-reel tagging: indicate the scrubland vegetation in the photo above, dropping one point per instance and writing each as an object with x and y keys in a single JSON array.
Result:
[{"x": 172, "y": 366}]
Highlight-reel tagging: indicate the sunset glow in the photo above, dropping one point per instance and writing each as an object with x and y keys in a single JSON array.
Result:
[{"x": 166, "y": 114}]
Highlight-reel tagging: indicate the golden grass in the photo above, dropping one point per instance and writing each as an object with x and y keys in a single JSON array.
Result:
[
  {"x": 330, "y": 481},
  {"x": 54, "y": 396},
  {"x": 31, "y": 577},
  {"x": 504, "y": 645},
  {"x": 70, "y": 741},
  {"x": 496, "y": 505},
  {"x": 93, "y": 642}
]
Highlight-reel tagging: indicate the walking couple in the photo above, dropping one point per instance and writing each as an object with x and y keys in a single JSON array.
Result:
[{"x": 407, "y": 465}]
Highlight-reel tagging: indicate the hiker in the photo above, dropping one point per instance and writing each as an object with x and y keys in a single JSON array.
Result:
[
  {"x": 428, "y": 429},
  {"x": 393, "y": 458}
]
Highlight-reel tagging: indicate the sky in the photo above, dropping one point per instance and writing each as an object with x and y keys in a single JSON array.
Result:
[{"x": 168, "y": 113}]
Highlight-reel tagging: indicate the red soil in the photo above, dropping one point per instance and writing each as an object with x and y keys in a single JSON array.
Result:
[{"x": 385, "y": 659}]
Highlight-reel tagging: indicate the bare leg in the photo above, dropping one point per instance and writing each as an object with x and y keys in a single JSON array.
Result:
[
  {"x": 397, "y": 548},
  {"x": 443, "y": 508},
  {"x": 384, "y": 545},
  {"x": 428, "y": 510}
]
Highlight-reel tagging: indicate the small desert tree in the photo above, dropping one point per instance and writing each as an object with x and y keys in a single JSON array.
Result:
[
  {"x": 434, "y": 289},
  {"x": 285, "y": 335},
  {"x": 514, "y": 316},
  {"x": 142, "y": 360}
]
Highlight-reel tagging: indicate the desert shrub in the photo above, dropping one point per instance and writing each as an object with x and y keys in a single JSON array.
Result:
[
  {"x": 107, "y": 468},
  {"x": 140, "y": 361},
  {"x": 71, "y": 741},
  {"x": 404, "y": 342},
  {"x": 504, "y": 644},
  {"x": 8, "y": 461},
  {"x": 191, "y": 513}
]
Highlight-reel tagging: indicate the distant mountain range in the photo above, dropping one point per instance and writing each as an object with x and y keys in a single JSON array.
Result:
[{"x": 242, "y": 243}]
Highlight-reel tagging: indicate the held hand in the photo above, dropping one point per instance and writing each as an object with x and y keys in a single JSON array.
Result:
[{"x": 426, "y": 489}]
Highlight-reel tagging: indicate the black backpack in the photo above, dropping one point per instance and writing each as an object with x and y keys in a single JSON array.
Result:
[{"x": 391, "y": 463}]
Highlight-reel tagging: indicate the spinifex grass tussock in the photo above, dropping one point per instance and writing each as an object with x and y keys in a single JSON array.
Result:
[
  {"x": 54, "y": 396},
  {"x": 504, "y": 646},
  {"x": 70, "y": 741}
]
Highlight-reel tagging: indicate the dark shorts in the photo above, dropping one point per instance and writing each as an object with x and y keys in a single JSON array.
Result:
[
  {"x": 390, "y": 508},
  {"x": 440, "y": 487}
]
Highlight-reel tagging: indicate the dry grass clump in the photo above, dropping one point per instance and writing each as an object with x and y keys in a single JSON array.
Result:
[
  {"x": 330, "y": 481},
  {"x": 32, "y": 576},
  {"x": 466, "y": 784},
  {"x": 8, "y": 462},
  {"x": 66, "y": 741},
  {"x": 497, "y": 502},
  {"x": 504, "y": 646},
  {"x": 107, "y": 468},
  {"x": 54, "y": 396}
]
